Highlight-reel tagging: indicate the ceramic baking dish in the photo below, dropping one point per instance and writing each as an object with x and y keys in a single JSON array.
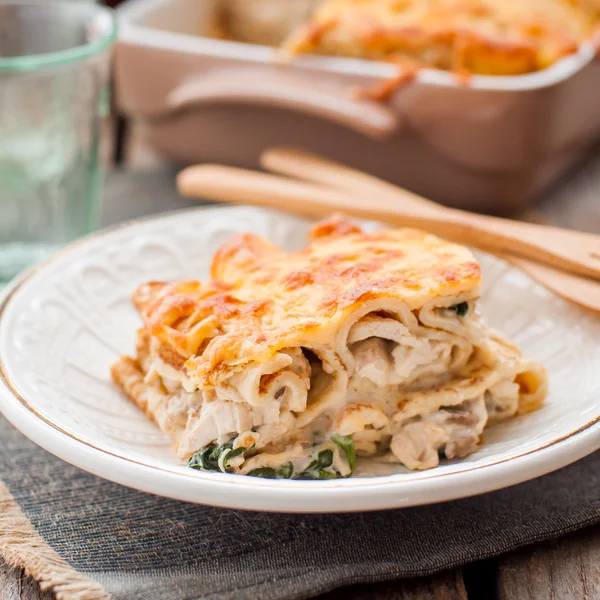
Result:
[{"x": 491, "y": 145}]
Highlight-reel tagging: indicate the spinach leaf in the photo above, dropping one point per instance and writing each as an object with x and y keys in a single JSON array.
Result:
[
  {"x": 264, "y": 472},
  {"x": 283, "y": 472},
  {"x": 317, "y": 468},
  {"x": 325, "y": 459},
  {"x": 461, "y": 309},
  {"x": 286, "y": 471},
  {"x": 202, "y": 459},
  {"x": 208, "y": 457},
  {"x": 345, "y": 443},
  {"x": 236, "y": 452},
  {"x": 316, "y": 474}
]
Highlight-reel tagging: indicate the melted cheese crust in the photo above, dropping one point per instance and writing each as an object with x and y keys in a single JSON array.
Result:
[
  {"x": 492, "y": 37},
  {"x": 262, "y": 299}
]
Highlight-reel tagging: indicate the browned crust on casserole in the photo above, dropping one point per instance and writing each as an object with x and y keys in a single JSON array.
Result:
[
  {"x": 128, "y": 375},
  {"x": 262, "y": 299},
  {"x": 494, "y": 37}
]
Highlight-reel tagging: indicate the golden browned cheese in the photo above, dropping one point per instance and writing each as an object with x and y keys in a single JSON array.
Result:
[
  {"x": 493, "y": 37},
  {"x": 262, "y": 299}
]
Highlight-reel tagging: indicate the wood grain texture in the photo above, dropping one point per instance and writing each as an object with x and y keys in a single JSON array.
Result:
[
  {"x": 9, "y": 583},
  {"x": 574, "y": 203},
  {"x": 15, "y": 585},
  {"x": 446, "y": 586},
  {"x": 567, "y": 568}
]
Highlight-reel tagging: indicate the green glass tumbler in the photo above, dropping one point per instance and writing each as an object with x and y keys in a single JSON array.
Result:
[{"x": 54, "y": 93}]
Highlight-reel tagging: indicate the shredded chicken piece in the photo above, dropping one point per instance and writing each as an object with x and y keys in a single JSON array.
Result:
[
  {"x": 456, "y": 431},
  {"x": 373, "y": 360},
  {"x": 388, "y": 353},
  {"x": 502, "y": 399}
]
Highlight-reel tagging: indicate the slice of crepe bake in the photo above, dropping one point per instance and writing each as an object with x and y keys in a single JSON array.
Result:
[{"x": 288, "y": 365}]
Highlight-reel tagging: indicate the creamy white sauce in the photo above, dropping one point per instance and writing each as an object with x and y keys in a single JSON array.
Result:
[{"x": 269, "y": 403}]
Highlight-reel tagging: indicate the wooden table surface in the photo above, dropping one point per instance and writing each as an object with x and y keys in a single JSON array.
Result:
[{"x": 567, "y": 568}]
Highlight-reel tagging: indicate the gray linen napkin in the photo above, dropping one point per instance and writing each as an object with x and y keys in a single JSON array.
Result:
[{"x": 97, "y": 540}]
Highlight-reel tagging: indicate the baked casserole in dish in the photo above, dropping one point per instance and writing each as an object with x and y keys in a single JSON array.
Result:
[
  {"x": 482, "y": 142},
  {"x": 288, "y": 365}
]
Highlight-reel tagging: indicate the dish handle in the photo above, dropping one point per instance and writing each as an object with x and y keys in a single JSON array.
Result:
[{"x": 290, "y": 92}]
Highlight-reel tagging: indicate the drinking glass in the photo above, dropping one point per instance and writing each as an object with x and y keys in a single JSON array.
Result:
[{"x": 54, "y": 93}]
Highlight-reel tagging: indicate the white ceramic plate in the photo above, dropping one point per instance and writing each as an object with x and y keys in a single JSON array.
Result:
[{"x": 62, "y": 325}]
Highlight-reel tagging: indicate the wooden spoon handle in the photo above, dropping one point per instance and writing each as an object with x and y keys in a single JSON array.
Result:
[
  {"x": 568, "y": 250},
  {"x": 241, "y": 186},
  {"x": 311, "y": 167}
]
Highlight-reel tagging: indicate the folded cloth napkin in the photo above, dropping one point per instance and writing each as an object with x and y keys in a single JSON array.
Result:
[{"x": 89, "y": 539}]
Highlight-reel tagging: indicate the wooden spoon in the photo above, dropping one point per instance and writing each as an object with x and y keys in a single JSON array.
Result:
[
  {"x": 229, "y": 184},
  {"x": 567, "y": 250}
]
